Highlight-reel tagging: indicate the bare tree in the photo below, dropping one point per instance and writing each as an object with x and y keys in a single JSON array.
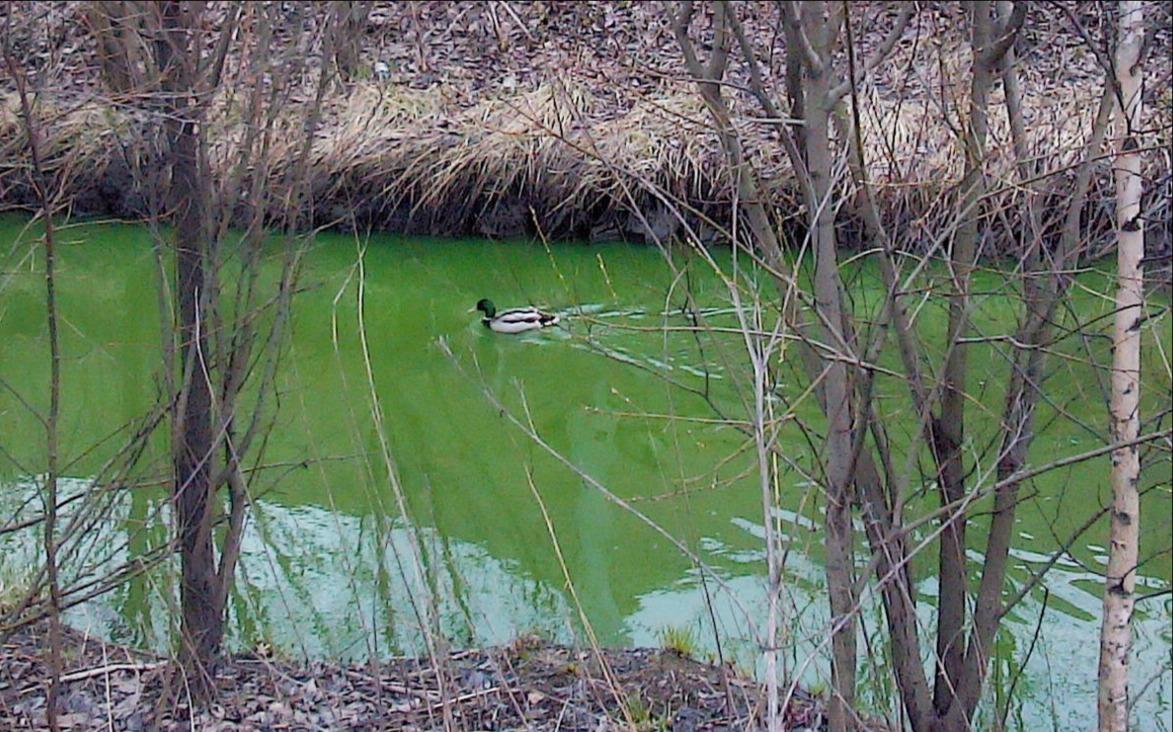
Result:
[
  {"x": 179, "y": 55},
  {"x": 218, "y": 346},
  {"x": 949, "y": 428},
  {"x": 231, "y": 162},
  {"x": 1123, "y": 552},
  {"x": 816, "y": 27},
  {"x": 857, "y": 450},
  {"x": 47, "y": 203}
]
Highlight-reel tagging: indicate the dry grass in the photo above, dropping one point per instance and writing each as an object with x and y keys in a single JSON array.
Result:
[
  {"x": 562, "y": 158},
  {"x": 580, "y": 117}
]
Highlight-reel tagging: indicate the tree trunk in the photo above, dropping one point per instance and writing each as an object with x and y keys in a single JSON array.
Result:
[
  {"x": 49, "y": 497},
  {"x": 1120, "y": 582},
  {"x": 104, "y": 20},
  {"x": 822, "y": 28},
  {"x": 192, "y": 441},
  {"x": 948, "y": 432}
]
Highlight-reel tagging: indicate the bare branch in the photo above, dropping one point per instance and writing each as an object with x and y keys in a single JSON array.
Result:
[
  {"x": 1007, "y": 32},
  {"x": 907, "y": 11},
  {"x": 793, "y": 15}
]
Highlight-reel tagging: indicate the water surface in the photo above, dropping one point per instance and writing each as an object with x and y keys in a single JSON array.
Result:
[{"x": 330, "y": 568}]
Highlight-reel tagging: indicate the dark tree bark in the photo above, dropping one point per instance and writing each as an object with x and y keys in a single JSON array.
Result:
[
  {"x": 117, "y": 28},
  {"x": 178, "y": 53},
  {"x": 103, "y": 20}
]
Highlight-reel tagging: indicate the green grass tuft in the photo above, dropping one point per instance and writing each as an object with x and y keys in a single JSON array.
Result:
[{"x": 681, "y": 639}]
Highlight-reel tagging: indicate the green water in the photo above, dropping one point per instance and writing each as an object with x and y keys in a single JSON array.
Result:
[{"x": 329, "y": 565}]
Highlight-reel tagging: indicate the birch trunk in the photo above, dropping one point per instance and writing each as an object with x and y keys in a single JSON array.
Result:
[{"x": 1120, "y": 582}]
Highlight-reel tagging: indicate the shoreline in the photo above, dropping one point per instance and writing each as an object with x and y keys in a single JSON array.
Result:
[
  {"x": 529, "y": 684},
  {"x": 569, "y": 122},
  {"x": 500, "y": 170}
]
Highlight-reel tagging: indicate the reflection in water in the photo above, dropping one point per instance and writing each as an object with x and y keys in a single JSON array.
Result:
[
  {"x": 350, "y": 586},
  {"x": 1053, "y": 686},
  {"x": 320, "y": 583},
  {"x": 323, "y": 583}
]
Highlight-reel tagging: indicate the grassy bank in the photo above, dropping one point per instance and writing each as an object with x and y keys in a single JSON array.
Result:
[
  {"x": 548, "y": 163},
  {"x": 487, "y": 133}
]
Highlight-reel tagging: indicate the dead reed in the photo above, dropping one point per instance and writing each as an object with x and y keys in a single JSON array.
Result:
[{"x": 563, "y": 158}]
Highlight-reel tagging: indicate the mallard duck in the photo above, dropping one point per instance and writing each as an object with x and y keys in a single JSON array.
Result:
[{"x": 514, "y": 320}]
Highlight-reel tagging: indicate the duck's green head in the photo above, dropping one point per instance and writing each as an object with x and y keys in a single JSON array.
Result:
[{"x": 487, "y": 307}]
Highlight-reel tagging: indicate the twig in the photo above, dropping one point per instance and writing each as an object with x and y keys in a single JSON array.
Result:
[{"x": 100, "y": 671}]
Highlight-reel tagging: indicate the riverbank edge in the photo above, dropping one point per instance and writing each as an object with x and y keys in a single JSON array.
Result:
[
  {"x": 530, "y": 684},
  {"x": 557, "y": 163}
]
